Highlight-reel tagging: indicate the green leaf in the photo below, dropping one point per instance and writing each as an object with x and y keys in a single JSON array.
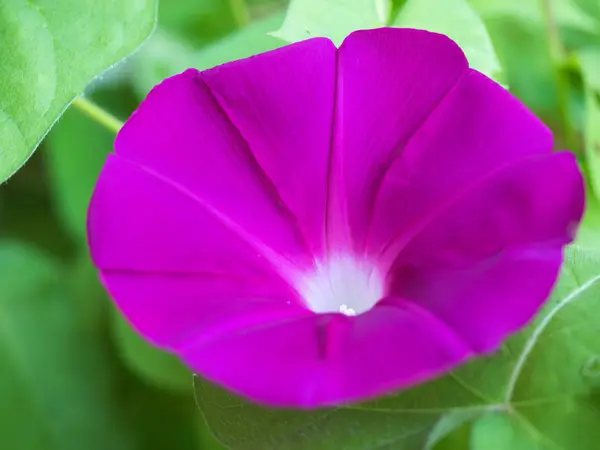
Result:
[
  {"x": 456, "y": 19},
  {"x": 163, "y": 56},
  {"x": 334, "y": 19},
  {"x": 50, "y": 50},
  {"x": 590, "y": 67},
  {"x": 499, "y": 431},
  {"x": 456, "y": 439},
  {"x": 400, "y": 422},
  {"x": 543, "y": 379},
  {"x": 448, "y": 424},
  {"x": 152, "y": 365},
  {"x": 56, "y": 382}
]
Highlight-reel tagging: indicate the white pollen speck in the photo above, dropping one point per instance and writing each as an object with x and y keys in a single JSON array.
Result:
[
  {"x": 343, "y": 284},
  {"x": 347, "y": 311}
]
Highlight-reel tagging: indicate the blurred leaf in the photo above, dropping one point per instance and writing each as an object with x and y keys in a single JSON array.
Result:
[
  {"x": 158, "y": 419},
  {"x": 591, "y": 7},
  {"x": 590, "y": 66},
  {"x": 334, "y": 19},
  {"x": 543, "y": 378},
  {"x": 77, "y": 149},
  {"x": 25, "y": 204},
  {"x": 196, "y": 22},
  {"x": 90, "y": 303},
  {"x": 162, "y": 420},
  {"x": 50, "y": 50},
  {"x": 164, "y": 56},
  {"x": 456, "y": 19},
  {"x": 528, "y": 67},
  {"x": 519, "y": 35},
  {"x": 152, "y": 365},
  {"x": 566, "y": 12},
  {"x": 263, "y": 8},
  {"x": 161, "y": 57},
  {"x": 55, "y": 382},
  {"x": 250, "y": 40}
]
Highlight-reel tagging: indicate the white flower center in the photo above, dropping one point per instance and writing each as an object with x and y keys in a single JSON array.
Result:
[{"x": 344, "y": 285}]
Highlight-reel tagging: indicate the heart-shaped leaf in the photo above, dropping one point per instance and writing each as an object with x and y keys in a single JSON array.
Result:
[{"x": 50, "y": 51}]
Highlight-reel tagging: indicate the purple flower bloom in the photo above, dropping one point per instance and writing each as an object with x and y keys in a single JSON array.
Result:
[{"x": 314, "y": 225}]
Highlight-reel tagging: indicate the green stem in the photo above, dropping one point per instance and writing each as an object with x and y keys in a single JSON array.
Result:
[
  {"x": 240, "y": 11},
  {"x": 559, "y": 57},
  {"x": 96, "y": 113},
  {"x": 557, "y": 49}
]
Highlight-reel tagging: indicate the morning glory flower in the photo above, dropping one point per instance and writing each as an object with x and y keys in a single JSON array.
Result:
[{"x": 313, "y": 226}]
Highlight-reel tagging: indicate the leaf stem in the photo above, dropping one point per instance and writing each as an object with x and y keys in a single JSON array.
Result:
[
  {"x": 558, "y": 53},
  {"x": 98, "y": 114},
  {"x": 557, "y": 50},
  {"x": 240, "y": 11}
]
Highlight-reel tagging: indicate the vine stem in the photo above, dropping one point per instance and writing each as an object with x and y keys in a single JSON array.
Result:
[
  {"x": 240, "y": 11},
  {"x": 96, "y": 113},
  {"x": 557, "y": 50},
  {"x": 559, "y": 55}
]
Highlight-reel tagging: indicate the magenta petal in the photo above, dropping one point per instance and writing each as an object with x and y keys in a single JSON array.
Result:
[
  {"x": 309, "y": 227},
  {"x": 389, "y": 82},
  {"x": 282, "y": 104},
  {"x": 394, "y": 346},
  {"x": 141, "y": 222},
  {"x": 174, "y": 309},
  {"x": 486, "y": 301},
  {"x": 486, "y": 263},
  {"x": 329, "y": 359},
  {"x": 274, "y": 362},
  {"x": 478, "y": 127},
  {"x": 182, "y": 136}
]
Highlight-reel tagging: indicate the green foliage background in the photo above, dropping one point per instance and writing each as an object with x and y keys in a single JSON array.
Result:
[{"x": 73, "y": 374}]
